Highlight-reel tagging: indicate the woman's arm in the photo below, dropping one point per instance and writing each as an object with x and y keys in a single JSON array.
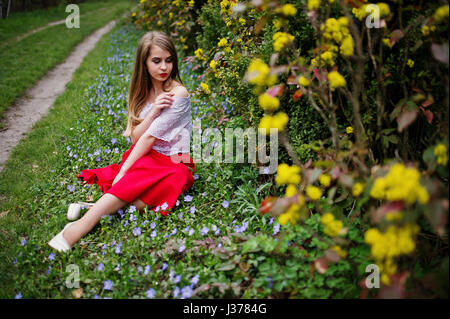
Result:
[{"x": 143, "y": 126}]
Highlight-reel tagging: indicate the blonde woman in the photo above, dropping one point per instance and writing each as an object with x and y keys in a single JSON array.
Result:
[{"x": 157, "y": 167}]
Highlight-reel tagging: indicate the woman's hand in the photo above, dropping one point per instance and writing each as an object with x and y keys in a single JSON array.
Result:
[
  {"x": 163, "y": 101},
  {"x": 118, "y": 177}
]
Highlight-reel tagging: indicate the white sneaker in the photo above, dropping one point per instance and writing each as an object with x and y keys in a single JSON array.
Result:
[
  {"x": 59, "y": 242},
  {"x": 74, "y": 210}
]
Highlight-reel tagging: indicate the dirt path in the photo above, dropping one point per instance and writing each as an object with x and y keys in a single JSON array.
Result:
[{"x": 39, "y": 99}]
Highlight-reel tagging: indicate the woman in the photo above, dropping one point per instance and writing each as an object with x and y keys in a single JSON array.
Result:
[{"x": 156, "y": 168}]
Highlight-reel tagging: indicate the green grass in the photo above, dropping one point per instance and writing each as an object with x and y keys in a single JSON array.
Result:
[
  {"x": 23, "y": 63},
  {"x": 20, "y": 23}
]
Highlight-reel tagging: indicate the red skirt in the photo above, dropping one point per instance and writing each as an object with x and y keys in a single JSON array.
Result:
[{"x": 155, "y": 179}]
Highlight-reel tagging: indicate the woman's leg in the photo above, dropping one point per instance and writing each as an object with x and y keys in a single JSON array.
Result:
[
  {"x": 140, "y": 205},
  {"x": 107, "y": 204}
]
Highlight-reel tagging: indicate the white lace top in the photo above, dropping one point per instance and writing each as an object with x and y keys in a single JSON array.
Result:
[{"x": 172, "y": 128}]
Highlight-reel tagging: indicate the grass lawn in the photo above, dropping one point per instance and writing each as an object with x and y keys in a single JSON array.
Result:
[
  {"x": 23, "y": 63},
  {"x": 214, "y": 244}
]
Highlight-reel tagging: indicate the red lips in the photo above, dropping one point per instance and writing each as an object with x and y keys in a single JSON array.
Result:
[{"x": 163, "y": 74}]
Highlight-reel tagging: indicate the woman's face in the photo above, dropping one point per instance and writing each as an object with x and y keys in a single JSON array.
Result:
[{"x": 159, "y": 63}]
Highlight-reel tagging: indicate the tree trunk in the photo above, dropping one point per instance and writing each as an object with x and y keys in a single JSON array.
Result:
[{"x": 7, "y": 10}]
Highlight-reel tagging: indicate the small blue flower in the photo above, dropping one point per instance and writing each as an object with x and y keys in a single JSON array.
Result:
[
  {"x": 276, "y": 229},
  {"x": 177, "y": 279},
  {"x": 186, "y": 292},
  {"x": 150, "y": 293},
  {"x": 153, "y": 234},
  {"x": 51, "y": 256},
  {"x": 192, "y": 209},
  {"x": 204, "y": 231},
  {"x": 71, "y": 188},
  {"x": 132, "y": 208},
  {"x": 147, "y": 270},
  {"x": 195, "y": 176},
  {"x": 191, "y": 232},
  {"x": 176, "y": 292},
  {"x": 107, "y": 285},
  {"x": 225, "y": 204},
  {"x": 164, "y": 206},
  {"x": 137, "y": 231},
  {"x": 23, "y": 242},
  {"x": 18, "y": 296},
  {"x": 188, "y": 198},
  {"x": 100, "y": 267},
  {"x": 194, "y": 280},
  {"x": 271, "y": 220},
  {"x": 113, "y": 141},
  {"x": 182, "y": 248},
  {"x": 164, "y": 266}
]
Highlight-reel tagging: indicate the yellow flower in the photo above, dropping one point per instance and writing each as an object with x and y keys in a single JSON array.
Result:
[
  {"x": 205, "y": 88},
  {"x": 313, "y": 4},
  {"x": 400, "y": 184},
  {"x": 191, "y": 3},
  {"x": 242, "y": 21},
  {"x": 213, "y": 65},
  {"x": 281, "y": 39},
  {"x": 259, "y": 73},
  {"x": 357, "y": 189},
  {"x": 182, "y": 39},
  {"x": 440, "y": 151},
  {"x": 327, "y": 58},
  {"x": 441, "y": 14},
  {"x": 239, "y": 40},
  {"x": 170, "y": 15},
  {"x": 278, "y": 23},
  {"x": 332, "y": 227},
  {"x": 268, "y": 102},
  {"x": 325, "y": 180},
  {"x": 410, "y": 63},
  {"x": 133, "y": 14},
  {"x": 159, "y": 22},
  {"x": 292, "y": 215},
  {"x": 278, "y": 121},
  {"x": 143, "y": 1},
  {"x": 425, "y": 30},
  {"x": 348, "y": 46},
  {"x": 342, "y": 253},
  {"x": 199, "y": 54},
  {"x": 387, "y": 42},
  {"x": 360, "y": 13},
  {"x": 349, "y": 130},
  {"x": 291, "y": 190},
  {"x": 336, "y": 80},
  {"x": 288, "y": 10},
  {"x": 303, "y": 81},
  {"x": 313, "y": 192},
  {"x": 384, "y": 9},
  {"x": 393, "y": 216},
  {"x": 288, "y": 175},
  {"x": 223, "y": 42}
]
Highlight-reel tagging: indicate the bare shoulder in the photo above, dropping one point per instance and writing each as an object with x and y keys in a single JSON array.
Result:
[{"x": 180, "y": 91}]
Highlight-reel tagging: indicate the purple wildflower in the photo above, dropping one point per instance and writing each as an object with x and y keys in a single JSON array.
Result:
[
  {"x": 147, "y": 270},
  {"x": 107, "y": 285},
  {"x": 100, "y": 267},
  {"x": 192, "y": 209},
  {"x": 186, "y": 292},
  {"x": 153, "y": 234},
  {"x": 137, "y": 231},
  {"x": 188, "y": 198},
  {"x": 71, "y": 188},
  {"x": 164, "y": 266},
  {"x": 225, "y": 204},
  {"x": 204, "y": 231},
  {"x": 150, "y": 293},
  {"x": 176, "y": 292},
  {"x": 18, "y": 296},
  {"x": 276, "y": 229},
  {"x": 51, "y": 256}
]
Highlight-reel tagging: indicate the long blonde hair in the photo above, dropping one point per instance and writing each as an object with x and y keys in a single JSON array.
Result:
[{"x": 141, "y": 82}]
